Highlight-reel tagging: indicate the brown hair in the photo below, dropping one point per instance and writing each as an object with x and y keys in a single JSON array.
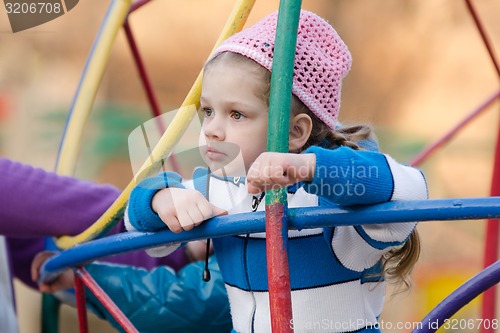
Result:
[{"x": 397, "y": 264}]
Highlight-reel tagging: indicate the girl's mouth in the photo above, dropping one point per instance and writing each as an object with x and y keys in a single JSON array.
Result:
[{"x": 214, "y": 154}]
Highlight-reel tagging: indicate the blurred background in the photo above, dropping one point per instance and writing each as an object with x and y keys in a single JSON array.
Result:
[{"x": 419, "y": 67}]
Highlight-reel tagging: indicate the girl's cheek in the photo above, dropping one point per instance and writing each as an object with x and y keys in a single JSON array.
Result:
[{"x": 201, "y": 139}]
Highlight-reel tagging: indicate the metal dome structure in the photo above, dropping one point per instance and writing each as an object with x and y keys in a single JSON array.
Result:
[{"x": 429, "y": 210}]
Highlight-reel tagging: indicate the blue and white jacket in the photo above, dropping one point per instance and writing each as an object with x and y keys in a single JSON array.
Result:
[{"x": 335, "y": 272}]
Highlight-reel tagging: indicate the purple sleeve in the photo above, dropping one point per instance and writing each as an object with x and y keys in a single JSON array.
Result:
[
  {"x": 35, "y": 203},
  {"x": 22, "y": 251}
]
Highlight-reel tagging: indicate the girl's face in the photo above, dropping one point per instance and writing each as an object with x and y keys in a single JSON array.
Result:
[{"x": 234, "y": 129}]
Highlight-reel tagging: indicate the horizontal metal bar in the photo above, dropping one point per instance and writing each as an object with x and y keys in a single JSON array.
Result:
[{"x": 299, "y": 218}]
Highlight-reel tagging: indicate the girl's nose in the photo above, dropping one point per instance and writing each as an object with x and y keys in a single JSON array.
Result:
[{"x": 214, "y": 128}]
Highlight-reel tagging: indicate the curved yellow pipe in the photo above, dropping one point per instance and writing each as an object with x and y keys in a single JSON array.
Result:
[
  {"x": 169, "y": 139},
  {"x": 89, "y": 83}
]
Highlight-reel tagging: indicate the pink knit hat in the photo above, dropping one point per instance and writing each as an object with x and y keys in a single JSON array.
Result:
[{"x": 322, "y": 60}]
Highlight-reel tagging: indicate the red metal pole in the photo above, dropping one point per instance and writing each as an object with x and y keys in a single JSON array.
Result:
[
  {"x": 153, "y": 101},
  {"x": 492, "y": 228},
  {"x": 486, "y": 41},
  {"x": 422, "y": 156},
  {"x": 137, "y": 4},
  {"x": 124, "y": 322},
  {"x": 491, "y": 246},
  {"x": 81, "y": 304},
  {"x": 148, "y": 87},
  {"x": 280, "y": 302}
]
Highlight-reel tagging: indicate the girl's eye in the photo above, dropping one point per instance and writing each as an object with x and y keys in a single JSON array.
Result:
[
  {"x": 208, "y": 112},
  {"x": 237, "y": 115}
]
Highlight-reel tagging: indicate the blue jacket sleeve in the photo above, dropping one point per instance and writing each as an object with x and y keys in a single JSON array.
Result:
[
  {"x": 349, "y": 177},
  {"x": 139, "y": 212},
  {"x": 161, "y": 300}
]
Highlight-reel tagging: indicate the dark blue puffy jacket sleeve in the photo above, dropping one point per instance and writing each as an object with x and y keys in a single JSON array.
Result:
[{"x": 161, "y": 300}]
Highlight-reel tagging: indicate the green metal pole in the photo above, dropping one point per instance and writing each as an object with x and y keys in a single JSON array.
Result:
[
  {"x": 276, "y": 202},
  {"x": 50, "y": 313}
]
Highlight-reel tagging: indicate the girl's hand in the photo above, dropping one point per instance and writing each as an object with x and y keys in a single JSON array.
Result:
[
  {"x": 277, "y": 170},
  {"x": 183, "y": 209},
  {"x": 64, "y": 281}
]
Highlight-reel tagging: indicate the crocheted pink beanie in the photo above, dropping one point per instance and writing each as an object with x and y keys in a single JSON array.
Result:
[{"x": 322, "y": 60}]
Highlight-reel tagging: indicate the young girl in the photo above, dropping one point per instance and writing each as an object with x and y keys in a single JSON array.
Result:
[{"x": 336, "y": 273}]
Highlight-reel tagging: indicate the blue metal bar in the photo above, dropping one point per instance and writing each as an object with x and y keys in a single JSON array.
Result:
[
  {"x": 299, "y": 218},
  {"x": 461, "y": 297}
]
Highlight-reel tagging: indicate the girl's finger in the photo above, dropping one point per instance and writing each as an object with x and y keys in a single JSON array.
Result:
[
  {"x": 196, "y": 216},
  {"x": 172, "y": 223},
  {"x": 185, "y": 220},
  {"x": 37, "y": 262},
  {"x": 205, "y": 209}
]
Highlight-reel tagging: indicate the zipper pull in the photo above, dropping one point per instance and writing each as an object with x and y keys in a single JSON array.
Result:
[{"x": 206, "y": 271}]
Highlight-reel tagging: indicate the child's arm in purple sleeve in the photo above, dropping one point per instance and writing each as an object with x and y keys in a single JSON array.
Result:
[{"x": 35, "y": 202}]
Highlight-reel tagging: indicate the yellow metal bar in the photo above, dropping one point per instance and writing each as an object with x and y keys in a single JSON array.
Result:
[
  {"x": 89, "y": 83},
  {"x": 169, "y": 139}
]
